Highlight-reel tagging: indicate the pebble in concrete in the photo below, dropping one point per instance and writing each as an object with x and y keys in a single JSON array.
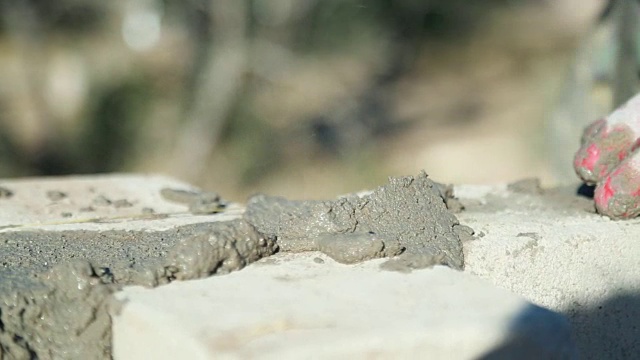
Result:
[{"x": 293, "y": 306}]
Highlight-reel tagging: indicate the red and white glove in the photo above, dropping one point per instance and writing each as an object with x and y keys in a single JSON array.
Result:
[{"x": 608, "y": 157}]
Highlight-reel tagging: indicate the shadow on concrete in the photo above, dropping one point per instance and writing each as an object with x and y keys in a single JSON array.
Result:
[
  {"x": 610, "y": 330},
  {"x": 585, "y": 190},
  {"x": 536, "y": 333}
]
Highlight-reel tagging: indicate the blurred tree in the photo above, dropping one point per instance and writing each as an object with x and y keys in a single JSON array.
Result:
[{"x": 255, "y": 87}]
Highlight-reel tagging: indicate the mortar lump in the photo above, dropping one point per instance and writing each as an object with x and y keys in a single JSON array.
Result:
[
  {"x": 59, "y": 310},
  {"x": 408, "y": 215}
]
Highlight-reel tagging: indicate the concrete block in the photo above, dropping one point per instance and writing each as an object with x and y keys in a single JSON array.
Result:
[
  {"x": 533, "y": 246},
  {"x": 294, "y": 306},
  {"x": 551, "y": 248}
]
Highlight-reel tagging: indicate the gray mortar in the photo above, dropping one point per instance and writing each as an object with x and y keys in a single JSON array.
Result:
[
  {"x": 56, "y": 286},
  {"x": 352, "y": 248},
  {"x": 526, "y": 186},
  {"x": 199, "y": 202},
  {"x": 409, "y": 262},
  {"x": 410, "y": 213},
  {"x": 55, "y": 195}
]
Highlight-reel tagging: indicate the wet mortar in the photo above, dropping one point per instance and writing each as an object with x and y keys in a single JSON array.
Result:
[
  {"x": 56, "y": 286},
  {"x": 409, "y": 216}
]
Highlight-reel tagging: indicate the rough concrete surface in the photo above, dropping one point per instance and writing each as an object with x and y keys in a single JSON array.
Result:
[
  {"x": 297, "y": 306},
  {"x": 67, "y": 244},
  {"x": 550, "y": 247}
]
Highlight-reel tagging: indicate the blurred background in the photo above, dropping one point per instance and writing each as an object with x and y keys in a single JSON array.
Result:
[{"x": 304, "y": 98}]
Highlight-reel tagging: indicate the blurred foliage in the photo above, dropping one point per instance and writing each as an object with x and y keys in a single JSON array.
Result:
[{"x": 227, "y": 93}]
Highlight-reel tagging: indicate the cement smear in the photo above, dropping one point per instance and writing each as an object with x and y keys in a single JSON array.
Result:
[
  {"x": 198, "y": 202},
  {"x": 56, "y": 286},
  {"x": 408, "y": 216},
  {"x": 353, "y": 248},
  {"x": 528, "y": 195}
]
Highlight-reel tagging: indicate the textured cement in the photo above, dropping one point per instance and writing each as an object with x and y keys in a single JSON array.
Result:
[
  {"x": 407, "y": 217},
  {"x": 54, "y": 304}
]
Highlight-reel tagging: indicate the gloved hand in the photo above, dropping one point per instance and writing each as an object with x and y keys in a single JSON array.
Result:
[{"x": 609, "y": 159}]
